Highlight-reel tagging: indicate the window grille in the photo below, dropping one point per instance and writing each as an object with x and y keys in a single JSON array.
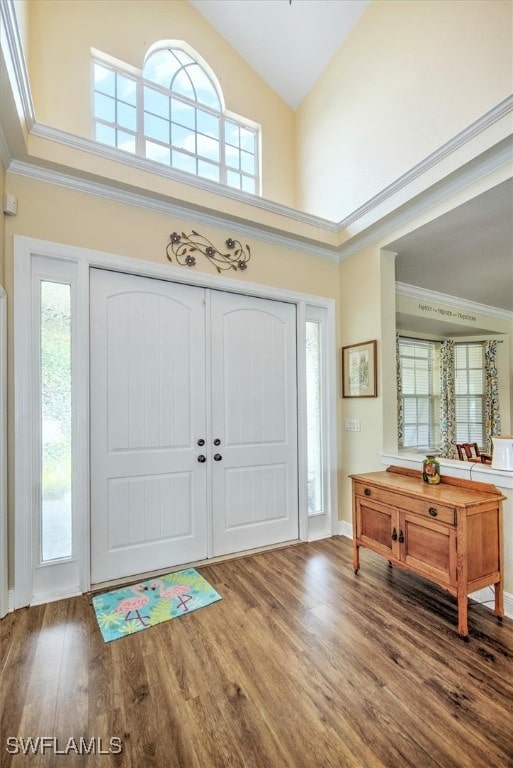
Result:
[{"x": 171, "y": 113}]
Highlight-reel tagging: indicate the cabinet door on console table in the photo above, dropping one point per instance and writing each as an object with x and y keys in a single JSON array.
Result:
[
  {"x": 429, "y": 548},
  {"x": 449, "y": 533},
  {"x": 426, "y": 546},
  {"x": 377, "y": 525}
]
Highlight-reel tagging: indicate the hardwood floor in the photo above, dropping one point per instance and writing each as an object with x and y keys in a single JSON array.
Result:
[{"x": 302, "y": 664}]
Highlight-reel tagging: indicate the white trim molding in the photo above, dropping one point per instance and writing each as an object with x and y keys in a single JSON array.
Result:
[
  {"x": 416, "y": 292},
  {"x": 376, "y": 217},
  {"x": 371, "y": 221},
  {"x": 4, "y": 538},
  {"x": 37, "y": 582},
  {"x": 485, "y": 595},
  {"x": 467, "y": 134},
  {"x": 15, "y": 59},
  {"x": 159, "y": 169},
  {"x": 344, "y": 528},
  {"x": 173, "y": 207}
]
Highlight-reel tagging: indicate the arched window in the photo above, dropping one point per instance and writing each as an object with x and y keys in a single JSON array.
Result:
[{"x": 172, "y": 113}]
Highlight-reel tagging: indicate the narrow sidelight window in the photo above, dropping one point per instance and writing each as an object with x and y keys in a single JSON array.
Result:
[
  {"x": 314, "y": 417},
  {"x": 56, "y": 458}
]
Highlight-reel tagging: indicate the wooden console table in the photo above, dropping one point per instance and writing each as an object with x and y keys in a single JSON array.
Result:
[{"x": 449, "y": 533}]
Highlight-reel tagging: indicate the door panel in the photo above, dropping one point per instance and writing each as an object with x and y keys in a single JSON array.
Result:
[
  {"x": 152, "y": 352},
  {"x": 376, "y": 524},
  {"x": 430, "y": 548},
  {"x": 148, "y": 491},
  {"x": 254, "y": 415}
]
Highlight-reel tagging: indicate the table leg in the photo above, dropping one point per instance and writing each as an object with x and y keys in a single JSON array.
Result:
[
  {"x": 356, "y": 557},
  {"x": 463, "y": 616},
  {"x": 499, "y": 601}
]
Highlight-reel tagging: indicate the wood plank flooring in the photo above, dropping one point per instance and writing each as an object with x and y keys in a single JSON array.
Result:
[{"x": 302, "y": 664}]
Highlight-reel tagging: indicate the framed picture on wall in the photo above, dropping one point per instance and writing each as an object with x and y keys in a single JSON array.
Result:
[{"x": 359, "y": 373}]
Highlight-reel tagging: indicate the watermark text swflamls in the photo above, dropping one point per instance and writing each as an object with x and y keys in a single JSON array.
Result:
[{"x": 42, "y": 745}]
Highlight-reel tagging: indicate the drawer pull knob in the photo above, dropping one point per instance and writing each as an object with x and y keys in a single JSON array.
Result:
[
  {"x": 401, "y": 537},
  {"x": 433, "y": 511},
  {"x": 367, "y": 492},
  {"x": 394, "y": 535}
]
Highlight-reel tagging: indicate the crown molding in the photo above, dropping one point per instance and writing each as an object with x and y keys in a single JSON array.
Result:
[
  {"x": 492, "y": 160},
  {"x": 16, "y": 60},
  {"x": 8, "y": 15},
  {"x": 415, "y": 292},
  {"x": 196, "y": 182},
  {"x": 188, "y": 212},
  {"x": 474, "y": 129},
  {"x": 371, "y": 232},
  {"x": 110, "y": 153},
  {"x": 499, "y": 156}
]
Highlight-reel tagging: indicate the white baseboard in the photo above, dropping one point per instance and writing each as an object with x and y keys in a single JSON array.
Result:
[
  {"x": 485, "y": 595},
  {"x": 52, "y": 597},
  {"x": 344, "y": 528},
  {"x": 10, "y": 601}
]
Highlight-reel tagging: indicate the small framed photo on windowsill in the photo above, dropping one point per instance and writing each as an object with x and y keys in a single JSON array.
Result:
[{"x": 359, "y": 373}]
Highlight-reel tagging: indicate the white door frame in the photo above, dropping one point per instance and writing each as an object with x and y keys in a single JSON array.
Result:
[
  {"x": 35, "y": 583},
  {"x": 4, "y": 546}
]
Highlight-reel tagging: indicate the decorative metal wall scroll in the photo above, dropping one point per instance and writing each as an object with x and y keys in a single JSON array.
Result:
[{"x": 185, "y": 248}]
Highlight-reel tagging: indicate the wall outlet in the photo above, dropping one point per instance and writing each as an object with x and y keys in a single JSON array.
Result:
[{"x": 352, "y": 425}]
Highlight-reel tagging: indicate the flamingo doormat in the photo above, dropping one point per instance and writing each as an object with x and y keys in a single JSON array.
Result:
[{"x": 132, "y": 609}]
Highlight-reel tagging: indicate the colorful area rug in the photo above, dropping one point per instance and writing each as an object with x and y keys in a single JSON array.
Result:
[{"x": 132, "y": 609}]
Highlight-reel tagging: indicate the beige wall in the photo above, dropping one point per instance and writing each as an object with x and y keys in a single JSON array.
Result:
[
  {"x": 410, "y": 77},
  {"x": 63, "y": 33},
  {"x": 364, "y": 105},
  {"x": 53, "y": 213},
  {"x": 22, "y": 14},
  {"x": 360, "y": 310},
  {"x": 367, "y": 311}
]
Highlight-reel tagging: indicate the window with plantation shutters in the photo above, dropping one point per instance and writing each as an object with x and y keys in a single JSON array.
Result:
[
  {"x": 469, "y": 393},
  {"x": 419, "y": 392}
]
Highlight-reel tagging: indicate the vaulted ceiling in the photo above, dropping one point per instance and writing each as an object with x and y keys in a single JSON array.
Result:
[
  {"x": 287, "y": 43},
  {"x": 467, "y": 253}
]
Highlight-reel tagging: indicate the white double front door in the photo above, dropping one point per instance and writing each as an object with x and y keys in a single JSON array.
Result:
[{"x": 193, "y": 424}]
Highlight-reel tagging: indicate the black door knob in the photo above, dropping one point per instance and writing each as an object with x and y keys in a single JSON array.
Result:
[
  {"x": 202, "y": 459},
  {"x": 217, "y": 457},
  {"x": 217, "y": 441},
  {"x": 201, "y": 441}
]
